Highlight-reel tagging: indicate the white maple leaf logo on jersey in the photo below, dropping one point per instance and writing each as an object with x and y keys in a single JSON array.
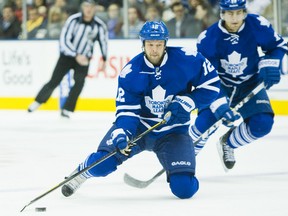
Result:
[
  {"x": 158, "y": 102},
  {"x": 263, "y": 21},
  {"x": 189, "y": 51},
  {"x": 235, "y": 65},
  {"x": 201, "y": 36},
  {"x": 126, "y": 70}
]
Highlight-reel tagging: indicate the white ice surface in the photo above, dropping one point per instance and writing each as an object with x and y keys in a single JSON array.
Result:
[{"x": 38, "y": 149}]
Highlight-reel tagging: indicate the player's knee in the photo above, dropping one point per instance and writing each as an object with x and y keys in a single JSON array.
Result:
[
  {"x": 261, "y": 124},
  {"x": 183, "y": 185},
  {"x": 104, "y": 168}
]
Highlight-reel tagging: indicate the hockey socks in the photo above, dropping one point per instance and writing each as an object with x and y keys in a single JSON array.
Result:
[
  {"x": 198, "y": 141},
  {"x": 258, "y": 126},
  {"x": 102, "y": 169}
]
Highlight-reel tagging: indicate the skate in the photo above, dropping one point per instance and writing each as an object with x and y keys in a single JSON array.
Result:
[
  {"x": 74, "y": 184},
  {"x": 226, "y": 153},
  {"x": 65, "y": 114},
  {"x": 34, "y": 106}
]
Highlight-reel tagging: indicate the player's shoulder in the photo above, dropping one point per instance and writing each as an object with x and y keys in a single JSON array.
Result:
[
  {"x": 256, "y": 21},
  {"x": 214, "y": 27},
  {"x": 135, "y": 74},
  {"x": 211, "y": 30},
  {"x": 186, "y": 52},
  {"x": 133, "y": 67},
  {"x": 185, "y": 56},
  {"x": 209, "y": 35}
]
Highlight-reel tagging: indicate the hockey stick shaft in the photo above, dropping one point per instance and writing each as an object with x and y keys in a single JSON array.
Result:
[
  {"x": 105, "y": 157},
  {"x": 142, "y": 184}
]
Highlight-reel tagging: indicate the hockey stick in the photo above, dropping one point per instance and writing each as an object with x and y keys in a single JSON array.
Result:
[
  {"x": 129, "y": 180},
  {"x": 105, "y": 157}
]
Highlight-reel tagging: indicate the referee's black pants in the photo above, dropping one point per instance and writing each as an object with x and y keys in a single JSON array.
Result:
[{"x": 64, "y": 64}]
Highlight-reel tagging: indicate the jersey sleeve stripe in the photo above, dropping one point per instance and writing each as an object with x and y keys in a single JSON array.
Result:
[
  {"x": 207, "y": 85},
  {"x": 127, "y": 107},
  {"x": 130, "y": 114}
]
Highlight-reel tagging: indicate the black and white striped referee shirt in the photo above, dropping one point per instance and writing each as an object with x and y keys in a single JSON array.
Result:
[{"x": 78, "y": 36}]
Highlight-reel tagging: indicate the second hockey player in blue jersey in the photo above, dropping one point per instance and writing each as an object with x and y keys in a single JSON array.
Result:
[
  {"x": 157, "y": 81},
  {"x": 231, "y": 45}
]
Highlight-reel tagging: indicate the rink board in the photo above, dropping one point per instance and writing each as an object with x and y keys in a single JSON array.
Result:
[{"x": 25, "y": 66}]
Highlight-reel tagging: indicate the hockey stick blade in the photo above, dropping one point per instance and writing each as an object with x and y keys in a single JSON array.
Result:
[
  {"x": 129, "y": 180},
  {"x": 105, "y": 157},
  {"x": 142, "y": 184}
]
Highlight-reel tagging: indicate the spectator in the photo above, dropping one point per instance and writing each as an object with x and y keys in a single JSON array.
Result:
[
  {"x": 65, "y": 7},
  {"x": 143, "y": 5},
  {"x": 183, "y": 25},
  {"x": 106, "y": 3},
  {"x": 167, "y": 12},
  {"x": 2, "y": 4},
  {"x": 55, "y": 22},
  {"x": 66, "y": 12},
  {"x": 258, "y": 6},
  {"x": 10, "y": 27},
  {"x": 43, "y": 11},
  {"x": 284, "y": 18},
  {"x": 73, "y": 6},
  {"x": 205, "y": 14},
  {"x": 153, "y": 14},
  {"x": 192, "y": 4},
  {"x": 39, "y": 3},
  {"x": 35, "y": 25},
  {"x": 18, "y": 10},
  {"x": 135, "y": 22},
  {"x": 114, "y": 22},
  {"x": 59, "y": 3}
]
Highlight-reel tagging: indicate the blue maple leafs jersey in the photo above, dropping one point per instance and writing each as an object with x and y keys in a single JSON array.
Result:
[
  {"x": 235, "y": 55},
  {"x": 145, "y": 91}
]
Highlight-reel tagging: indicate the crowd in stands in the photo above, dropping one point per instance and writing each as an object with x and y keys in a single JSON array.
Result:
[{"x": 184, "y": 18}]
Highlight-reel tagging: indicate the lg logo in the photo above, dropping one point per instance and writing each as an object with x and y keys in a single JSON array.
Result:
[{"x": 14, "y": 78}]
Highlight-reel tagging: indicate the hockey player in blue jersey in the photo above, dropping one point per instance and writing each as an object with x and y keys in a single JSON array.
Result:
[
  {"x": 158, "y": 80},
  {"x": 231, "y": 46}
]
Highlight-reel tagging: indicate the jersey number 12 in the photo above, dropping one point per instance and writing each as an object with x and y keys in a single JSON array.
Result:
[{"x": 208, "y": 67}]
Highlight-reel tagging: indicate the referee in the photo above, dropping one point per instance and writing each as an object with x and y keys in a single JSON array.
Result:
[{"x": 77, "y": 39}]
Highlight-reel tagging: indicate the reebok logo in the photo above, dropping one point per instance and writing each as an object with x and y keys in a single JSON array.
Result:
[{"x": 262, "y": 102}]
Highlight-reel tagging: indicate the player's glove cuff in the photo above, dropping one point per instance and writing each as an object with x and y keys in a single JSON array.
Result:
[
  {"x": 221, "y": 109},
  {"x": 180, "y": 108},
  {"x": 269, "y": 71},
  {"x": 120, "y": 141}
]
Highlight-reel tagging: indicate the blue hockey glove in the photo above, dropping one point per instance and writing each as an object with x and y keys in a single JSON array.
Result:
[
  {"x": 120, "y": 141},
  {"x": 269, "y": 70},
  {"x": 180, "y": 108},
  {"x": 221, "y": 109}
]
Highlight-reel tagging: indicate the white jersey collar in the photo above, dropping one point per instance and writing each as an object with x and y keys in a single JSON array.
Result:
[
  {"x": 225, "y": 30},
  {"x": 149, "y": 64}
]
